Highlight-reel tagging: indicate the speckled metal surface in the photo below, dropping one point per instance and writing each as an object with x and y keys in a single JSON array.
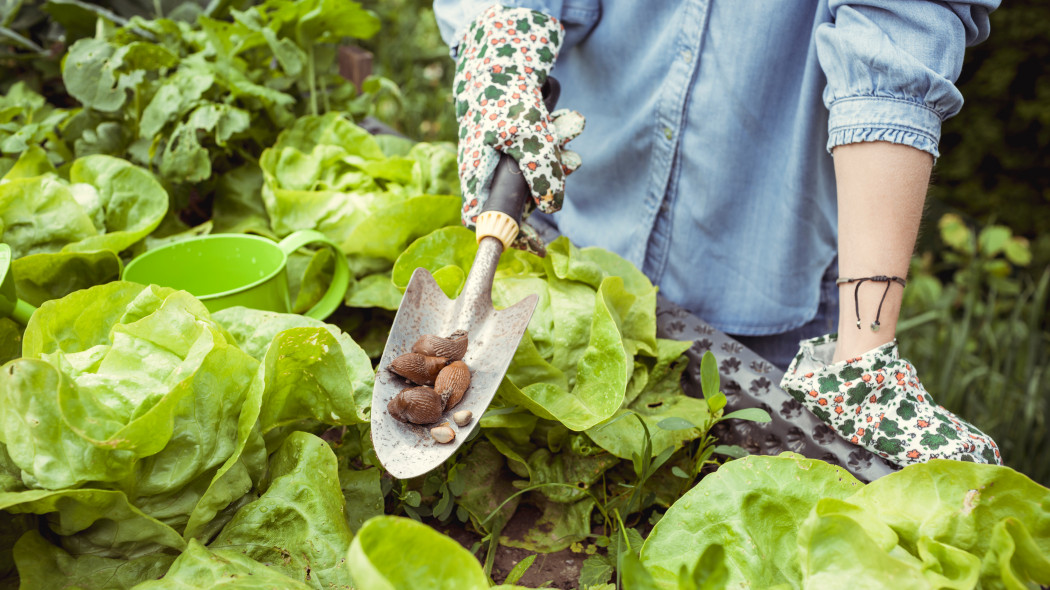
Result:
[
  {"x": 408, "y": 450},
  {"x": 750, "y": 381}
]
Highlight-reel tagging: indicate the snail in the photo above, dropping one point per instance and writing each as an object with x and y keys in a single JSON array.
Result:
[
  {"x": 433, "y": 361},
  {"x": 418, "y": 405},
  {"x": 443, "y": 433},
  {"x": 452, "y": 382},
  {"x": 453, "y": 348},
  {"x": 418, "y": 368}
]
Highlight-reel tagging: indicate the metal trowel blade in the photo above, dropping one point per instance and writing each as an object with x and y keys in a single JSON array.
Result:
[{"x": 408, "y": 450}]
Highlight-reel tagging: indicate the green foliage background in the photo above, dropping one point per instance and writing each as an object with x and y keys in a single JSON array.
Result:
[{"x": 996, "y": 153}]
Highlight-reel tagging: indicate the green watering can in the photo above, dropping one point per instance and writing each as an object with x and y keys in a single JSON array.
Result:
[
  {"x": 10, "y": 304},
  {"x": 222, "y": 270}
]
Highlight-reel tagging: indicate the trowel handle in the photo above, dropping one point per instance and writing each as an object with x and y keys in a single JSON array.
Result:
[{"x": 501, "y": 214}]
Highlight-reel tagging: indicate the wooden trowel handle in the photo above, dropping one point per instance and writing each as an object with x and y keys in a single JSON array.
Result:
[{"x": 501, "y": 214}]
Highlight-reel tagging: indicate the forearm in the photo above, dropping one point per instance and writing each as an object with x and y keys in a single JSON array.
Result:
[{"x": 881, "y": 192}]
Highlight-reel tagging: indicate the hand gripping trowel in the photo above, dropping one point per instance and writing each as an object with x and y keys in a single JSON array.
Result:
[{"x": 408, "y": 450}]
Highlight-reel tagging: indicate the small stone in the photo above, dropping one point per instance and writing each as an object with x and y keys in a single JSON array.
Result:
[
  {"x": 443, "y": 434},
  {"x": 462, "y": 417}
]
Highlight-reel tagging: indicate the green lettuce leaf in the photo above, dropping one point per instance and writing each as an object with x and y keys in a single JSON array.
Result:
[
  {"x": 66, "y": 234},
  {"x": 27, "y": 120},
  {"x": 393, "y": 553},
  {"x": 753, "y": 508},
  {"x": 299, "y": 524},
  {"x": 386, "y": 232},
  {"x": 51, "y": 275},
  {"x": 447, "y": 253},
  {"x": 12, "y": 527},
  {"x": 104, "y": 518},
  {"x": 375, "y": 290},
  {"x": 436, "y": 171},
  {"x": 127, "y": 199},
  {"x": 107, "y": 203},
  {"x": 363, "y": 493},
  {"x": 313, "y": 177},
  {"x": 223, "y": 569},
  {"x": 597, "y": 372},
  {"x": 557, "y": 525},
  {"x": 42, "y": 565},
  {"x": 10, "y": 340},
  {"x": 312, "y": 356},
  {"x": 487, "y": 487},
  {"x": 660, "y": 398},
  {"x": 931, "y": 525}
]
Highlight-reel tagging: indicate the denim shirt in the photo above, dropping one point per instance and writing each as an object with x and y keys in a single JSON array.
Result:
[{"x": 706, "y": 156}]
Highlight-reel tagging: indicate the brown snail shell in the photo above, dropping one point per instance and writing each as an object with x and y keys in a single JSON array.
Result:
[
  {"x": 418, "y": 368},
  {"x": 453, "y": 348},
  {"x": 443, "y": 434},
  {"x": 418, "y": 405},
  {"x": 452, "y": 382}
]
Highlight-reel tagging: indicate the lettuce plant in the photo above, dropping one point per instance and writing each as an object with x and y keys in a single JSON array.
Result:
[
  {"x": 66, "y": 232},
  {"x": 790, "y": 522},
  {"x": 135, "y": 422}
]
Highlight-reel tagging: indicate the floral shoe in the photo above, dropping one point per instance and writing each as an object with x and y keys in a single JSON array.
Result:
[
  {"x": 504, "y": 59},
  {"x": 876, "y": 401}
]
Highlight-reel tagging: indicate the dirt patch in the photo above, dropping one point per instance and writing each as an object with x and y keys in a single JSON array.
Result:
[{"x": 560, "y": 569}]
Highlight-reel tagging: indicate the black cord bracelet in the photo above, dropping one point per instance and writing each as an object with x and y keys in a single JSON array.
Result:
[{"x": 856, "y": 293}]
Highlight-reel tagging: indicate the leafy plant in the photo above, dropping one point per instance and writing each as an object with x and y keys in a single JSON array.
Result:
[
  {"x": 126, "y": 458},
  {"x": 27, "y": 120},
  {"x": 789, "y": 522},
  {"x": 996, "y": 162},
  {"x": 623, "y": 543},
  {"x": 66, "y": 234},
  {"x": 981, "y": 337},
  {"x": 411, "y": 51},
  {"x": 195, "y": 100}
]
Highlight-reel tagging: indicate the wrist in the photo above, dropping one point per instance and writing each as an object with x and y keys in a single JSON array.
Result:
[{"x": 868, "y": 314}]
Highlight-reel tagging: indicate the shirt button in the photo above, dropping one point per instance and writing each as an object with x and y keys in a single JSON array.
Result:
[
  {"x": 668, "y": 133},
  {"x": 687, "y": 56}
]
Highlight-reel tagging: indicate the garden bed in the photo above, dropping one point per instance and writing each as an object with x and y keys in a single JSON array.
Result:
[{"x": 147, "y": 441}]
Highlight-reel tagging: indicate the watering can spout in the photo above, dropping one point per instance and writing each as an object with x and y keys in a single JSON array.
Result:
[{"x": 10, "y": 304}]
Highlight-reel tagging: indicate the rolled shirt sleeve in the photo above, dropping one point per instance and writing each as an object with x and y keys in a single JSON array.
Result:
[{"x": 891, "y": 67}]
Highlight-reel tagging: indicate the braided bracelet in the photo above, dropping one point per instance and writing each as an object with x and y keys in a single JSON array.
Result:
[{"x": 856, "y": 291}]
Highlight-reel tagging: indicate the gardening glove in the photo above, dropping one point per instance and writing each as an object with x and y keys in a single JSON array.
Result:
[
  {"x": 876, "y": 401},
  {"x": 504, "y": 59}
]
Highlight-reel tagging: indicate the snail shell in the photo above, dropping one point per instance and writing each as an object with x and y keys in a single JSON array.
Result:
[
  {"x": 453, "y": 348},
  {"x": 452, "y": 382},
  {"x": 462, "y": 417},
  {"x": 443, "y": 434},
  {"x": 418, "y": 405},
  {"x": 418, "y": 368}
]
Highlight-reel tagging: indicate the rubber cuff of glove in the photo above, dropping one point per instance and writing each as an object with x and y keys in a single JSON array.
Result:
[{"x": 497, "y": 225}]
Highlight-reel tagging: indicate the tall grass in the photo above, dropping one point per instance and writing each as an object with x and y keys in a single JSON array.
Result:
[{"x": 980, "y": 338}]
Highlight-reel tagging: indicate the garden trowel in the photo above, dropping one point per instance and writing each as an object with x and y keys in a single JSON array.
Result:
[
  {"x": 408, "y": 450},
  {"x": 10, "y": 304}
]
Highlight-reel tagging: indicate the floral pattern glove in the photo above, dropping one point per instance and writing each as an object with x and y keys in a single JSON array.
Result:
[
  {"x": 504, "y": 60},
  {"x": 876, "y": 401}
]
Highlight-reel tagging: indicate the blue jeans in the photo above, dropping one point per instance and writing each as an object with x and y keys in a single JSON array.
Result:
[{"x": 780, "y": 349}]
